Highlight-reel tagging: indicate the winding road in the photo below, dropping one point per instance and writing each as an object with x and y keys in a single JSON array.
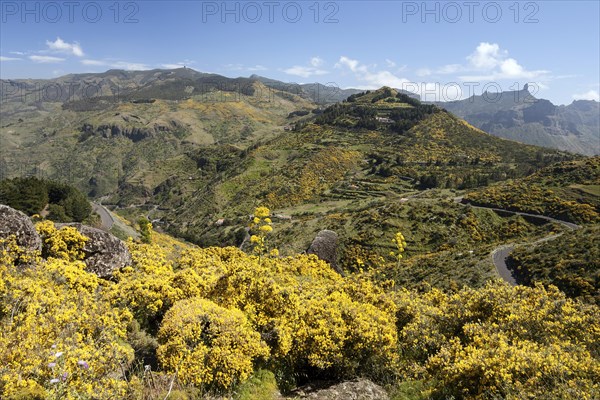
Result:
[
  {"x": 501, "y": 253},
  {"x": 107, "y": 219}
]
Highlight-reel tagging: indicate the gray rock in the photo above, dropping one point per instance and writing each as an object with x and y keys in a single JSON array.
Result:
[
  {"x": 360, "y": 389},
  {"x": 104, "y": 253},
  {"x": 14, "y": 222},
  {"x": 325, "y": 246}
]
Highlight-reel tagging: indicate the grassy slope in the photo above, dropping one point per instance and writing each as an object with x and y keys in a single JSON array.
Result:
[
  {"x": 361, "y": 183},
  {"x": 51, "y": 142},
  {"x": 346, "y": 171},
  {"x": 567, "y": 190},
  {"x": 571, "y": 262}
]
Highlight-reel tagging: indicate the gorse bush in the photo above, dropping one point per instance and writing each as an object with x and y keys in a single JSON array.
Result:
[
  {"x": 214, "y": 316},
  {"x": 207, "y": 344},
  {"x": 59, "y": 335},
  {"x": 65, "y": 243},
  {"x": 501, "y": 342}
]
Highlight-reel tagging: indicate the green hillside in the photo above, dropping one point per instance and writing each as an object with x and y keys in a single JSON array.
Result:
[
  {"x": 377, "y": 163},
  {"x": 221, "y": 299},
  {"x": 568, "y": 191},
  {"x": 359, "y": 169},
  {"x": 571, "y": 263}
]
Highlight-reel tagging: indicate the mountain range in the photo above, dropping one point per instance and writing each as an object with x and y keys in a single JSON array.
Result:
[
  {"x": 520, "y": 116},
  {"x": 195, "y": 153},
  {"x": 515, "y": 115}
]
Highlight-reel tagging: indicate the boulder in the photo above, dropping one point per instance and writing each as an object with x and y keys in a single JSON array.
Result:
[
  {"x": 14, "y": 222},
  {"x": 360, "y": 389},
  {"x": 104, "y": 253},
  {"x": 325, "y": 246}
]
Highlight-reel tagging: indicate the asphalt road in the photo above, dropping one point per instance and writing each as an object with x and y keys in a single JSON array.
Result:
[
  {"x": 501, "y": 253},
  {"x": 499, "y": 256},
  {"x": 105, "y": 217}
]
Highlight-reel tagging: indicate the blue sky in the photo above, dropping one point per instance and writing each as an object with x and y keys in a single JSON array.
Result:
[{"x": 442, "y": 50}]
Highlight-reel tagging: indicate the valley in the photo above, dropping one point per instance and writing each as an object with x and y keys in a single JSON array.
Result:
[{"x": 447, "y": 239}]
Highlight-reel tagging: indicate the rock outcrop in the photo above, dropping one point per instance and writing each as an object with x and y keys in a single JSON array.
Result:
[
  {"x": 134, "y": 132},
  {"x": 325, "y": 246},
  {"x": 360, "y": 389},
  {"x": 104, "y": 253},
  {"x": 14, "y": 222}
]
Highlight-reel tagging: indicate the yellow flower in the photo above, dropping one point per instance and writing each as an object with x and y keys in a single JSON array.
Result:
[{"x": 262, "y": 212}]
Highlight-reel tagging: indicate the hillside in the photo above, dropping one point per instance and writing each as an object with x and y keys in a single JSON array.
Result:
[
  {"x": 191, "y": 323},
  {"x": 140, "y": 132},
  {"x": 355, "y": 167},
  {"x": 568, "y": 191},
  {"x": 571, "y": 263},
  {"x": 194, "y": 167},
  {"x": 317, "y": 92},
  {"x": 217, "y": 297},
  {"x": 518, "y": 115}
]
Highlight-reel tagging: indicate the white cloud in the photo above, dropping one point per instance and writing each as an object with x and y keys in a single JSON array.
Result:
[
  {"x": 46, "y": 59},
  {"x": 18, "y": 53},
  {"x": 486, "y": 56},
  {"x": 126, "y": 65},
  {"x": 242, "y": 67},
  {"x": 130, "y": 66},
  {"x": 316, "y": 62},
  {"x": 424, "y": 72},
  {"x": 348, "y": 62},
  {"x": 488, "y": 62},
  {"x": 257, "y": 68},
  {"x": 450, "y": 69},
  {"x": 93, "y": 62},
  {"x": 372, "y": 79},
  {"x": 390, "y": 63},
  {"x": 493, "y": 63},
  {"x": 444, "y": 70},
  {"x": 304, "y": 72},
  {"x": 60, "y": 46},
  {"x": 589, "y": 95},
  {"x": 308, "y": 71},
  {"x": 2, "y": 58}
]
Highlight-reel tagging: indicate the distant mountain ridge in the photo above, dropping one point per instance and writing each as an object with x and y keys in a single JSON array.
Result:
[
  {"x": 319, "y": 93},
  {"x": 520, "y": 116},
  {"x": 100, "y": 89}
]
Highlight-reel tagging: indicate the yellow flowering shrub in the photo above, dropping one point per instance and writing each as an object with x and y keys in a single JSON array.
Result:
[
  {"x": 335, "y": 331},
  {"x": 65, "y": 243},
  {"x": 58, "y": 337},
  {"x": 206, "y": 344},
  {"x": 145, "y": 287},
  {"x": 501, "y": 341},
  {"x": 216, "y": 312}
]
